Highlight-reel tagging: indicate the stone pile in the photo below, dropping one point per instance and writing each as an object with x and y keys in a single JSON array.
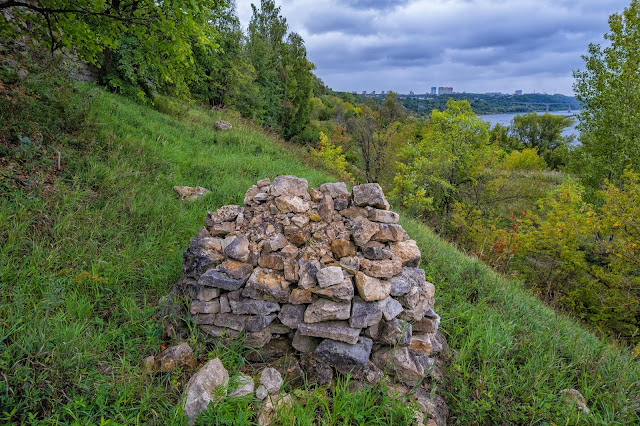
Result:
[{"x": 330, "y": 272}]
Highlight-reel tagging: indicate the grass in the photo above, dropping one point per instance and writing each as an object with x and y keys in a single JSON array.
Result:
[{"x": 85, "y": 258}]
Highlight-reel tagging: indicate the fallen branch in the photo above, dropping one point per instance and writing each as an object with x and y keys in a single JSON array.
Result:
[{"x": 59, "y": 156}]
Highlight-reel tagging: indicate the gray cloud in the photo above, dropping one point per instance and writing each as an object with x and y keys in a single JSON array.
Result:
[{"x": 473, "y": 45}]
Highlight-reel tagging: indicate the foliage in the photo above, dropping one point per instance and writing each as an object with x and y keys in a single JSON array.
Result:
[
  {"x": 329, "y": 154},
  {"x": 527, "y": 159},
  {"x": 608, "y": 90},
  {"x": 453, "y": 154},
  {"x": 543, "y": 132}
]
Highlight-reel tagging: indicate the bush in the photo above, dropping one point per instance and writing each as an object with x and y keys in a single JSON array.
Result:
[{"x": 527, "y": 159}]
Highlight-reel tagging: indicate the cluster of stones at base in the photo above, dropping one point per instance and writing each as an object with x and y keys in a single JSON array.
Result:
[{"x": 329, "y": 272}]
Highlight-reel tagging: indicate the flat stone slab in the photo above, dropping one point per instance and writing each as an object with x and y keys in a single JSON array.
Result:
[
  {"x": 213, "y": 278},
  {"x": 344, "y": 355},
  {"x": 335, "y": 330}
]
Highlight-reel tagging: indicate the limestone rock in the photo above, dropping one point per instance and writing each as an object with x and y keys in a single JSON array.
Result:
[
  {"x": 272, "y": 284},
  {"x": 381, "y": 268},
  {"x": 350, "y": 264},
  {"x": 292, "y": 315},
  {"x": 213, "y": 278},
  {"x": 222, "y": 229},
  {"x": 354, "y": 212},
  {"x": 202, "y": 386},
  {"x": 317, "y": 370},
  {"x": 227, "y": 213},
  {"x": 222, "y": 125},
  {"x": 252, "y": 307},
  {"x": 172, "y": 358},
  {"x": 258, "y": 323},
  {"x": 271, "y": 380},
  {"x": 304, "y": 344},
  {"x": 325, "y": 208},
  {"x": 275, "y": 243},
  {"x": 273, "y": 407},
  {"x": 343, "y": 248},
  {"x": 371, "y": 289},
  {"x": 364, "y": 314},
  {"x": 407, "y": 252},
  {"x": 343, "y": 356},
  {"x": 299, "y": 296},
  {"x": 363, "y": 229},
  {"x": 370, "y": 194},
  {"x": 232, "y": 321},
  {"x": 389, "y": 232},
  {"x": 408, "y": 278},
  {"x": 241, "y": 386},
  {"x": 189, "y": 193},
  {"x": 206, "y": 294},
  {"x": 401, "y": 362},
  {"x": 342, "y": 292},
  {"x": 573, "y": 396},
  {"x": 335, "y": 330},
  {"x": 391, "y": 308},
  {"x": 258, "y": 339},
  {"x": 329, "y": 276},
  {"x": 289, "y": 186},
  {"x": 395, "y": 332},
  {"x": 421, "y": 343},
  {"x": 289, "y": 204},
  {"x": 428, "y": 324},
  {"x": 236, "y": 270},
  {"x": 271, "y": 261},
  {"x": 327, "y": 310},
  {"x": 220, "y": 332},
  {"x": 261, "y": 392},
  {"x": 334, "y": 190},
  {"x": 199, "y": 307},
  {"x": 307, "y": 272},
  {"x": 383, "y": 216},
  {"x": 236, "y": 247}
]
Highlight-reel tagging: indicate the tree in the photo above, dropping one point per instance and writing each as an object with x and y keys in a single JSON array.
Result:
[
  {"x": 609, "y": 89},
  {"x": 543, "y": 132},
  {"x": 91, "y": 29}
]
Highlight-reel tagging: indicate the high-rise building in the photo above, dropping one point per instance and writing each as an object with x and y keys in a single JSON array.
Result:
[
  {"x": 434, "y": 90},
  {"x": 411, "y": 93},
  {"x": 364, "y": 92},
  {"x": 518, "y": 92},
  {"x": 373, "y": 92},
  {"x": 445, "y": 90}
]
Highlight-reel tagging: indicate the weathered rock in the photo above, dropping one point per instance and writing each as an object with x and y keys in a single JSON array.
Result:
[
  {"x": 407, "y": 252},
  {"x": 202, "y": 254},
  {"x": 304, "y": 344},
  {"x": 253, "y": 307},
  {"x": 261, "y": 392},
  {"x": 395, "y": 332},
  {"x": 289, "y": 186},
  {"x": 370, "y": 194},
  {"x": 371, "y": 289},
  {"x": 220, "y": 332},
  {"x": 329, "y": 276},
  {"x": 199, "y": 307},
  {"x": 428, "y": 324},
  {"x": 421, "y": 343},
  {"x": 381, "y": 268},
  {"x": 271, "y": 261},
  {"x": 180, "y": 356},
  {"x": 343, "y": 248},
  {"x": 350, "y": 264},
  {"x": 342, "y": 292},
  {"x": 383, "y": 216},
  {"x": 299, "y": 296},
  {"x": 363, "y": 230},
  {"x": 340, "y": 204},
  {"x": 354, "y": 212},
  {"x": 416, "y": 312},
  {"x": 275, "y": 243},
  {"x": 327, "y": 310},
  {"x": 292, "y": 315},
  {"x": 271, "y": 380},
  {"x": 389, "y": 232},
  {"x": 409, "y": 277},
  {"x": 364, "y": 314},
  {"x": 391, "y": 308},
  {"x": 222, "y": 229},
  {"x": 227, "y": 213},
  {"x": 343, "y": 356},
  {"x": 236, "y": 247},
  {"x": 307, "y": 272},
  {"x": 289, "y": 204},
  {"x": 213, "y": 278},
  {"x": 232, "y": 321},
  {"x": 573, "y": 396},
  {"x": 260, "y": 322},
  {"x": 401, "y": 362},
  {"x": 376, "y": 251},
  {"x": 335, "y": 330},
  {"x": 250, "y": 195},
  {"x": 241, "y": 386},
  {"x": 325, "y": 208},
  {"x": 270, "y": 283},
  {"x": 189, "y": 193},
  {"x": 431, "y": 404},
  {"x": 202, "y": 388},
  {"x": 274, "y": 407},
  {"x": 236, "y": 270},
  {"x": 222, "y": 125},
  {"x": 317, "y": 370},
  {"x": 276, "y": 327},
  {"x": 258, "y": 339},
  {"x": 335, "y": 189},
  {"x": 206, "y": 294}
]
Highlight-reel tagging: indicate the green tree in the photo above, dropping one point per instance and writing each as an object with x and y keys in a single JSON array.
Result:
[
  {"x": 543, "y": 132},
  {"x": 609, "y": 89}
]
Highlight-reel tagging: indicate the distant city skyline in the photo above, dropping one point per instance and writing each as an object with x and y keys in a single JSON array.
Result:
[{"x": 476, "y": 46}]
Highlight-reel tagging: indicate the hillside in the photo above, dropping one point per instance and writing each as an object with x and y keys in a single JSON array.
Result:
[{"x": 87, "y": 253}]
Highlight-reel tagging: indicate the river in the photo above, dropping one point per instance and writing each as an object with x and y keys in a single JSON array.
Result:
[{"x": 505, "y": 120}]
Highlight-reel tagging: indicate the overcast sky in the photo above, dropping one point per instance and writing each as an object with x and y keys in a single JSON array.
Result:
[{"x": 473, "y": 45}]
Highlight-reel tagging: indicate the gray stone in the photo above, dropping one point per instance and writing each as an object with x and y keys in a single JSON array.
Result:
[
  {"x": 204, "y": 319},
  {"x": 409, "y": 277},
  {"x": 342, "y": 292},
  {"x": 213, "y": 278},
  {"x": 317, "y": 371},
  {"x": 263, "y": 182},
  {"x": 227, "y": 213},
  {"x": 271, "y": 380},
  {"x": 401, "y": 362},
  {"x": 261, "y": 392},
  {"x": 304, "y": 344},
  {"x": 391, "y": 308},
  {"x": 364, "y": 314},
  {"x": 573, "y": 396},
  {"x": 389, "y": 232},
  {"x": 241, "y": 386},
  {"x": 225, "y": 307},
  {"x": 260, "y": 322},
  {"x": 428, "y": 324},
  {"x": 289, "y": 185},
  {"x": 253, "y": 307},
  {"x": 343, "y": 356},
  {"x": 383, "y": 216},
  {"x": 307, "y": 272},
  {"x": 340, "y": 204},
  {"x": 370, "y": 194},
  {"x": 222, "y": 229},
  {"x": 327, "y": 310},
  {"x": 329, "y": 276},
  {"x": 292, "y": 315},
  {"x": 201, "y": 255},
  {"x": 271, "y": 261},
  {"x": 202, "y": 388},
  {"x": 236, "y": 247},
  {"x": 200, "y": 307},
  {"x": 376, "y": 251},
  {"x": 232, "y": 321},
  {"x": 189, "y": 193},
  {"x": 258, "y": 339},
  {"x": 272, "y": 284},
  {"x": 335, "y": 189},
  {"x": 299, "y": 296},
  {"x": 335, "y": 330},
  {"x": 220, "y": 332},
  {"x": 207, "y": 294},
  {"x": 395, "y": 332},
  {"x": 371, "y": 289},
  {"x": 325, "y": 208},
  {"x": 300, "y": 220},
  {"x": 275, "y": 243},
  {"x": 354, "y": 212},
  {"x": 276, "y": 327},
  {"x": 407, "y": 252},
  {"x": 363, "y": 230},
  {"x": 222, "y": 125}
]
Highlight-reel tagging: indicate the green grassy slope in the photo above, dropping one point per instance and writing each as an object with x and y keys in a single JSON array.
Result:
[{"x": 82, "y": 270}]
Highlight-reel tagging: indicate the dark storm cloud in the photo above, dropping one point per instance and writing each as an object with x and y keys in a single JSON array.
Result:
[{"x": 473, "y": 45}]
